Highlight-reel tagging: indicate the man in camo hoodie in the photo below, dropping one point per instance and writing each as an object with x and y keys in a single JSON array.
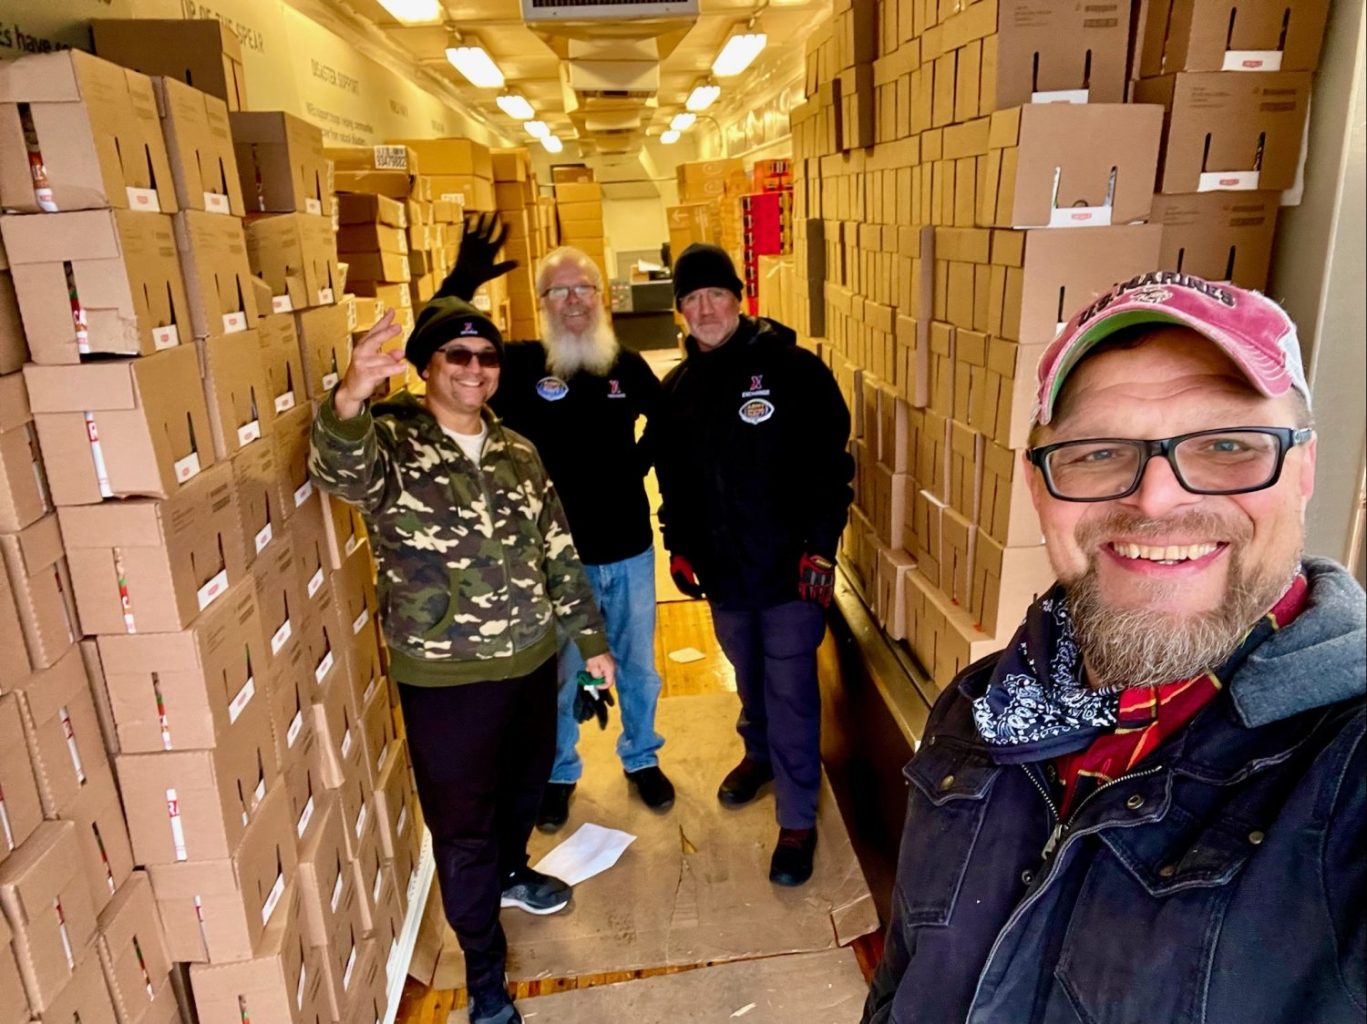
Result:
[{"x": 477, "y": 572}]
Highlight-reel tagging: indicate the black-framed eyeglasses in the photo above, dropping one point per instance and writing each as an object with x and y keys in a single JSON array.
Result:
[
  {"x": 1232, "y": 460},
  {"x": 561, "y": 292},
  {"x": 488, "y": 358}
]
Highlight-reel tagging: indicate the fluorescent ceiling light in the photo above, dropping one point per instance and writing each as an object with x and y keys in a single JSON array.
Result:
[
  {"x": 537, "y": 129},
  {"x": 476, "y": 65},
  {"x": 515, "y": 106},
  {"x": 552, "y": 144},
  {"x": 670, "y": 137},
  {"x": 682, "y": 122},
  {"x": 411, "y": 11},
  {"x": 702, "y": 97},
  {"x": 740, "y": 50}
]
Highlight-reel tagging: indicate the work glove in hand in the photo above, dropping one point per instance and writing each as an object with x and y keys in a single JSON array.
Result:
[
  {"x": 684, "y": 577},
  {"x": 484, "y": 235},
  {"x": 590, "y": 701},
  {"x": 816, "y": 579}
]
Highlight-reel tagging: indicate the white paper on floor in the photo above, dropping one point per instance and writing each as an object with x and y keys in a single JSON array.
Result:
[
  {"x": 684, "y": 655},
  {"x": 590, "y": 851}
]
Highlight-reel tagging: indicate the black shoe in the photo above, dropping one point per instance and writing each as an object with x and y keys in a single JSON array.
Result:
[
  {"x": 792, "y": 860},
  {"x": 535, "y": 893},
  {"x": 744, "y": 782},
  {"x": 493, "y": 1007},
  {"x": 555, "y": 806},
  {"x": 657, "y": 792}
]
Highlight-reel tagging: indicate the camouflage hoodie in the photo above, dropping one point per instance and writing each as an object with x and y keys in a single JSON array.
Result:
[{"x": 476, "y": 564}]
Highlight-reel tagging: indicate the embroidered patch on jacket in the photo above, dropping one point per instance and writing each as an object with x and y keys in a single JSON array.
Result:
[
  {"x": 552, "y": 389},
  {"x": 756, "y": 411}
]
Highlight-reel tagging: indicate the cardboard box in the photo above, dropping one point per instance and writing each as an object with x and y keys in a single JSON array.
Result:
[
  {"x": 218, "y": 275},
  {"x": 325, "y": 344},
  {"x": 358, "y": 816},
  {"x": 257, "y": 479},
  {"x": 283, "y": 365},
  {"x": 1006, "y": 513},
  {"x": 327, "y": 885},
  {"x": 95, "y": 125},
  {"x": 14, "y": 1009},
  {"x": 578, "y": 192},
  {"x": 132, "y": 953},
  {"x": 356, "y": 208},
  {"x": 41, "y": 584},
  {"x": 106, "y": 853},
  {"x": 452, "y": 156},
  {"x": 216, "y": 911},
  {"x": 241, "y": 410},
  {"x": 199, "y": 144},
  {"x": 1220, "y": 236},
  {"x": 280, "y": 598},
  {"x": 470, "y": 191},
  {"x": 16, "y": 665},
  {"x": 84, "y": 998},
  {"x": 322, "y": 634},
  {"x": 965, "y": 469},
  {"x": 345, "y": 529},
  {"x": 311, "y": 552},
  {"x": 44, "y": 895},
  {"x": 1230, "y": 36},
  {"x": 291, "y": 706},
  {"x": 23, "y": 809},
  {"x": 295, "y": 254},
  {"x": 1070, "y": 165},
  {"x": 890, "y": 579},
  {"x": 1003, "y": 400},
  {"x": 927, "y": 536},
  {"x": 944, "y": 637},
  {"x": 281, "y": 163},
  {"x": 371, "y": 998},
  {"x": 564, "y": 174},
  {"x": 959, "y": 539},
  {"x": 372, "y": 237},
  {"x": 121, "y": 429},
  {"x": 204, "y": 53},
  {"x": 291, "y": 439},
  {"x": 341, "y": 752},
  {"x": 390, "y": 267},
  {"x": 123, "y": 267},
  {"x": 24, "y": 495},
  {"x": 1229, "y": 131},
  {"x": 396, "y": 802},
  {"x": 369, "y": 868},
  {"x": 13, "y": 346},
  {"x": 377, "y": 723},
  {"x": 304, "y": 788},
  {"x": 1006, "y": 581}
]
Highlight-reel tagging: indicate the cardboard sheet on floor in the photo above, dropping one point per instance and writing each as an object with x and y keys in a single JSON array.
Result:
[
  {"x": 814, "y": 988},
  {"x": 694, "y": 888}
]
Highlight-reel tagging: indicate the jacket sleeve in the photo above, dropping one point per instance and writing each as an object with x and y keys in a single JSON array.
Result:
[
  {"x": 347, "y": 459},
  {"x": 572, "y": 599},
  {"x": 647, "y": 385},
  {"x": 830, "y": 468}
]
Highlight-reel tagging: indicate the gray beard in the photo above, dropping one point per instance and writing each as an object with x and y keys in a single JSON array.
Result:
[
  {"x": 594, "y": 352},
  {"x": 1135, "y": 647}
]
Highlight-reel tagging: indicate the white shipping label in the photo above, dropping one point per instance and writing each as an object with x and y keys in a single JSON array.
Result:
[
  {"x": 352, "y": 543},
  {"x": 263, "y": 537},
  {"x": 281, "y": 304},
  {"x": 187, "y": 468},
  {"x": 177, "y": 828},
  {"x": 277, "y": 890},
  {"x": 315, "y": 581},
  {"x": 303, "y": 493},
  {"x": 1229, "y": 181},
  {"x": 281, "y": 636},
  {"x": 391, "y": 158},
  {"x": 285, "y": 402},
  {"x": 216, "y": 202},
  {"x": 233, "y": 323},
  {"x": 359, "y": 622},
  {"x": 1252, "y": 60},
  {"x": 165, "y": 337},
  {"x": 325, "y": 297},
  {"x": 143, "y": 199},
  {"x": 329, "y": 381},
  {"x": 296, "y": 724},
  {"x": 214, "y": 589},
  {"x": 77, "y": 768},
  {"x": 304, "y": 818},
  {"x": 243, "y": 698},
  {"x": 324, "y": 667},
  {"x": 313, "y": 206},
  {"x": 248, "y": 432},
  {"x": 1080, "y": 217}
]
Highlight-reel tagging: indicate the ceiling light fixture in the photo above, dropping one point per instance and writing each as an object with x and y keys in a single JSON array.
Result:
[
  {"x": 552, "y": 144},
  {"x": 515, "y": 106},
  {"x": 702, "y": 97},
  {"x": 738, "y": 53},
  {"x": 476, "y": 65},
  {"x": 413, "y": 11},
  {"x": 682, "y": 122},
  {"x": 537, "y": 129},
  {"x": 669, "y": 137}
]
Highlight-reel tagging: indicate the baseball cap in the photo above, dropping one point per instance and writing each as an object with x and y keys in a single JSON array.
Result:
[{"x": 1248, "y": 327}]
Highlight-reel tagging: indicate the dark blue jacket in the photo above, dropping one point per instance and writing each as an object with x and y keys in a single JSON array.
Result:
[{"x": 1223, "y": 882}]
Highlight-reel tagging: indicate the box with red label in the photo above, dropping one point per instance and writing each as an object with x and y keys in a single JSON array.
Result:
[
  {"x": 282, "y": 361},
  {"x": 345, "y": 529},
  {"x": 258, "y": 498},
  {"x": 281, "y": 163},
  {"x": 295, "y": 254},
  {"x": 20, "y": 806},
  {"x": 24, "y": 497},
  {"x": 41, "y": 587},
  {"x": 395, "y": 801},
  {"x": 304, "y": 789},
  {"x": 325, "y": 640},
  {"x": 215, "y": 911},
  {"x": 341, "y": 751},
  {"x": 358, "y": 814},
  {"x": 1230, "y": 35},
  {"x": 311, "y": 551},
  {"x": 280, "y": 597},
  {"x": 132, "y": 952},
  {"x": 325, "y": 343},
  {"x": 218, "y": 277},
  {"x": 195, "y": 805},
  {"x": 200, "y": 146},
  {"x": 292, "y": 433},
  {"x": 291, "y": 703},
  {"x": 101, "y": 282},
  {"x": 241, "y": 411},
  {"x": 63, "y": 732},
  {"x": 106, "y": 852},
  {"x": 377, "y": 729},
  {"x": 122, "y": 429},
  {"x": 80, "y": 133},
  {"x": 151, "y": 566},
  {"x": 327, "y": 884}
]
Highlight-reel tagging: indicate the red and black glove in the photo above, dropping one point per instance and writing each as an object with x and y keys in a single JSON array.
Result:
[
  {"x": 816, "y": 579},
  {"x": 684, "y": 577}
]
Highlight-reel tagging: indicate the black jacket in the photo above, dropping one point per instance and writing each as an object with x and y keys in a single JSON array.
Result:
[
  {"x": 585, "y": 430},
  {"x": 749, "y": 446}
]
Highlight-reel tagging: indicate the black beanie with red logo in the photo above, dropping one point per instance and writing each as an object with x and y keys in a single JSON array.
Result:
[{"x": 444, "y": 319}]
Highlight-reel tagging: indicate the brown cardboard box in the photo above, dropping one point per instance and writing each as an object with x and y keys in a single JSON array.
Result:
[
  {"x": 965, "y": 469},
  {"x": 45, "y": 897},
  {"x": 1221, "y": 236},
  {"x": 215, "y": 911},
  {"x": 199, "y": 144},
  {"x": 345, "y": 529},
  {"x": 326, "y": 346},
  {"x": 41, "y": 584},
  {"x": 1003, "y": 403},
  {"x": 342, "y": 953},
  {"x": 944, "y": 637},
  {"x": 1006, "y": 513},
  {"x": 14, "y": 1009},
  {"x": 84, "y": 998},
  {"x": 960, "y": 541},
  {"x": 323, "y": 636},
  {"x": 394, "y": 184},
  {"x": 218, "y": 276},
  {"x": 23, "y": 810},
  {"x": 281, "y": 163},
  {"x": 395, "y": 802},
  {"x": 63, "y": 733},
  {"x": 1070, "y": 165},
  {"x": 371, "y": 999},
  {"x": 564, "y": 174},
  {"x": 390, "y": 267},
  {"x": 106, "y": 852},
  {"x": 241, "y": 412},
  {"x": 292, "y": 433},
  {"x": 204, "y": 53},
  {"x": 372, "y": 237},
  {"x": 13, "y": 346},
  {"x": 471, "y": 192},
  {"x": 23, "y": 482},
  {"x": 893, "y": 567},
  {"x": 932, "y": 461},
  {"x": 941, "y": 369},
  {"x": 1006, "y": 582},
  {"x": 195, "y": 805},
  {"x": 283, "y": 363},
  {"x": 144, "y": 421},
  {"x": 16, "y": 665},
  {"x": 257, "y": 479},
  {"x": 358, "y": 208},
  {"x": 341, "y": 752},
  {"x": 578, "y": 192},
  {"x": 513, "y": 163},
  {"x": 304, "y": 789},
  {"x": 125, "y": 273},
  {"x": 327, "y": 885},
  {"x": 927, "y": 534},
  {"x": 291, "y": 707},
  {"x": 295, "y": 254},
  {"x": 451, "y": 156},
  {"x": 1230, "y": 36},
  {"x": 1229, "y": 130},
  {"x": 96, "y": 127},
  {"x": 187, "y": 690},
  {"x": 132, "y": 953},
  {"x": 280, "y": 598},
  {"x": 311, "y": 552},
  {"x": 358, "y": 815},
  {"x": 369, "y": 868}
]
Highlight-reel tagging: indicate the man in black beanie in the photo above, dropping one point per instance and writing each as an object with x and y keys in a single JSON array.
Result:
[
  {"x": 477, "y": 574},
  {"x": 749, "y": 443}
]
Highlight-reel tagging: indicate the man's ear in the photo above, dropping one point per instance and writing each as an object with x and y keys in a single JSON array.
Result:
[{"x": 1034, "y": 480}]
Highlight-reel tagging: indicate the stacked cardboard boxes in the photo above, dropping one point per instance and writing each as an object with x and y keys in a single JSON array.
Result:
[
  {"x": 516, "y": 194},
  {"x": 579, "y": 210},
  {"x": 720, "y": 184}
]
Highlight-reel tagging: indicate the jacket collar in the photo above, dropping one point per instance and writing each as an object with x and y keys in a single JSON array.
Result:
[{"x": 407, "y": 406}]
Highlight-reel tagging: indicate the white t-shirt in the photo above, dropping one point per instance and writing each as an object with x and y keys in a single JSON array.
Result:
[{"x": 471, "y": 444}]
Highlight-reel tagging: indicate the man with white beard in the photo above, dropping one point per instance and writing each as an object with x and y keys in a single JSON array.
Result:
[{"x": 576, "y": 394}]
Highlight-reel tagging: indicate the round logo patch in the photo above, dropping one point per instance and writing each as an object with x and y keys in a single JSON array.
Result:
[
  {"x": 552, "y": 389},
  {"x": 757, "y": 410}
]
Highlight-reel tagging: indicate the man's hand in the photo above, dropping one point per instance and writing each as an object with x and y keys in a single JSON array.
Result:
[
  {"x": 681, "y": 570},
  {"x": 484, "y": 235},
  {"x": 816, "y": 579},
  {"x": 369, "y": 367},
  {"x": 602, "y": 668}
]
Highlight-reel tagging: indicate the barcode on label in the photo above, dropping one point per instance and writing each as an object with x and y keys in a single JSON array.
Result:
[{"x": 391, "y": 158}]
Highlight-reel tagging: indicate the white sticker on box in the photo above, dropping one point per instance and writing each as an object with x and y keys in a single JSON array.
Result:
[
  {"x": 258, "y": 794},
  {"x": 351, "y": 321},
  {"x": 285, "y": 402},
  {"x": 263, "y": 537},
  {"x": 187, "y": 468},
  {"x": 143, "y": 199},
  {"x": 403, "y": 821},
  {"x": 177, "y": 828},
  {"x": 234, "y": 322},
  {"x": 1060, "y": 96},
  {"x": 346, "y": 744},
  {"x": 1252, "y": 60},
  {"x": 165, "y": 337},
  {"x": 369, "y": 690},
  {"x": 61, "y": 927},
  {"x": 277, "y": 890},
  {"x": 315, "y": 581},
  {"x": 359, "y": 622},
  {"x": 324, "y": 667},
  {"x": 281, "y": 304},
  {"x": 281, "y": 636},
  {"x": 304, "y": 818},
  {"x": 299, "y": 989},
  {"x": 296, "y": 724},
  {"x": 72, "y": 749},
  {"x": 391, "y": 158},
  {"x": 1228, "y": 181},
  {"x": 92, "y": 433},
  {"x": 1080, "y": 217},
  {"x": 216, "y": 202},
  {"x": 243, "y": 698},
  {"x": 352, "y": 543},
  {"x": 350, "y": 965},
  {"x": 5, "y": 824},
  {"x": 248, "y": 432},
  {"x": 303, "y": 493},
  {"x": 313, "y": 206},
  {"x": 337, "y": 890},
  {"x": 389, "y": 960},
  {"x": 330, "y": 381},
  {"x": 360, "y": 820},
  {"x": 325, "y": 297},
  {"x": 212, "y": 590},
  {"x": 379, "y": 884},
  {"x": 483, "y": 303},
  {"x": 379, "y": 761}
]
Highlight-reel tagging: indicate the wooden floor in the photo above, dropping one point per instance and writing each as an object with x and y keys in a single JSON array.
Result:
[{"x": 679, "y": 625}]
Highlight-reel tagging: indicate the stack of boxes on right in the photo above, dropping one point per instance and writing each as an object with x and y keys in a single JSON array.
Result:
[
  {"x": 579, "y": 208},
  {"x": 515, "y": 194}
]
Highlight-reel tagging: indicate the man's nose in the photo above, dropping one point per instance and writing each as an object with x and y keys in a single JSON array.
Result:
[{"x": 1160, "y": 492}]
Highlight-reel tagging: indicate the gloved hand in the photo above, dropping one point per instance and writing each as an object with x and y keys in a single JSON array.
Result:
[
  {"x": 484, "y": 235},
  {"x": 816, "y": 579},
  {"x": 684, "y": 577},
  {"x": 590, "y": 701}
]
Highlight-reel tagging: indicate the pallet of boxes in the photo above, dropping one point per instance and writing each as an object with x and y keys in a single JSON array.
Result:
[
  {"x": 965, "y": 180},
  {"x": 579, "y": 214},
  {"x": 515, "y": 193}
]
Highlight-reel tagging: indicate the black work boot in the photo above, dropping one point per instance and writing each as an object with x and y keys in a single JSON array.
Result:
[
  {"x": 654, "y": 787},
  {"x": 744, "y": 782},
  {"x": 555, "y": 806},
  {"x": 792, "y": 860}
]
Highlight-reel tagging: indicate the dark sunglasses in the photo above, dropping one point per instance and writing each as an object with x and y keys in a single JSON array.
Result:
[{"x": 488, "y": 358}]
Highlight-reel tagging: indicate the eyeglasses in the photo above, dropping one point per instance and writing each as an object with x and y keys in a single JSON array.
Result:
[
  {"x": 562, "y": 292},
  {"x": 488, "y": 358},
  {"x": 1235, "y": 460}
]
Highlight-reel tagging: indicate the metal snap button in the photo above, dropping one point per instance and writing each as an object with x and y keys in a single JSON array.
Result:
[
  {"x": 1256, "y": 838},
  {"x": 931, "y": 742},
  {"x": 1027, "y": 877},
  {"x": 1135, "y": 802},
  {"x": 1167, "y": 871},
  {"x": 946, "y": 783}
]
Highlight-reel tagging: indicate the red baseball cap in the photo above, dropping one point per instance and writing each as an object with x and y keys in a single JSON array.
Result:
[{"x": 1249, "y": 327}]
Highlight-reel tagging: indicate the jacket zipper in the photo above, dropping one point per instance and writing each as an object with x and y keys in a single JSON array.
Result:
[{"x": 1061, "y": 829}]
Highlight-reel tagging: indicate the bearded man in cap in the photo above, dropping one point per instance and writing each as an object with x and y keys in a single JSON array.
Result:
[
  {"x": 1150, "y": 805},
  {"x": 477, "y": 573},
  {"x": 749, "y": 445}
]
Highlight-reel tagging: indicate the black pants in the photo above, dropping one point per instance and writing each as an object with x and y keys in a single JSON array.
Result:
[{"x": 481, "y": 755}]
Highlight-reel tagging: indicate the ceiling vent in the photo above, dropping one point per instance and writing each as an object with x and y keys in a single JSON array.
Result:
[
  {"x": 541, "y": 11},
  {"x": 612, "y": 79}
]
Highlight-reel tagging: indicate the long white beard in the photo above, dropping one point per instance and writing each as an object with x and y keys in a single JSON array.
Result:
[{"x": 568, "y": 353}]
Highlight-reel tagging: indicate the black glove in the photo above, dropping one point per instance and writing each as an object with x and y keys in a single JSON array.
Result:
[
  {"x": 483, "y": 238},
  {"x": 681, "y": 571},
  {"x": 590, "y": 701},
  {"x": 816, "y": 579}
]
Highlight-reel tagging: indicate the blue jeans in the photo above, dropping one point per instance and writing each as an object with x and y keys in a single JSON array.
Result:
[{"x": 625, "y": 592}]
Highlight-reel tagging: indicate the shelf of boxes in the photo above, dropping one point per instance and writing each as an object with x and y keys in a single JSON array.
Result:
[{"x": 515, "y": 192}]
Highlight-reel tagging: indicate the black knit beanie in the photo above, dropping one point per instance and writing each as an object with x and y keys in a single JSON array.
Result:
[
  {"x": 446, "y": 319},
  {"x": 702, "y": 265}
]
